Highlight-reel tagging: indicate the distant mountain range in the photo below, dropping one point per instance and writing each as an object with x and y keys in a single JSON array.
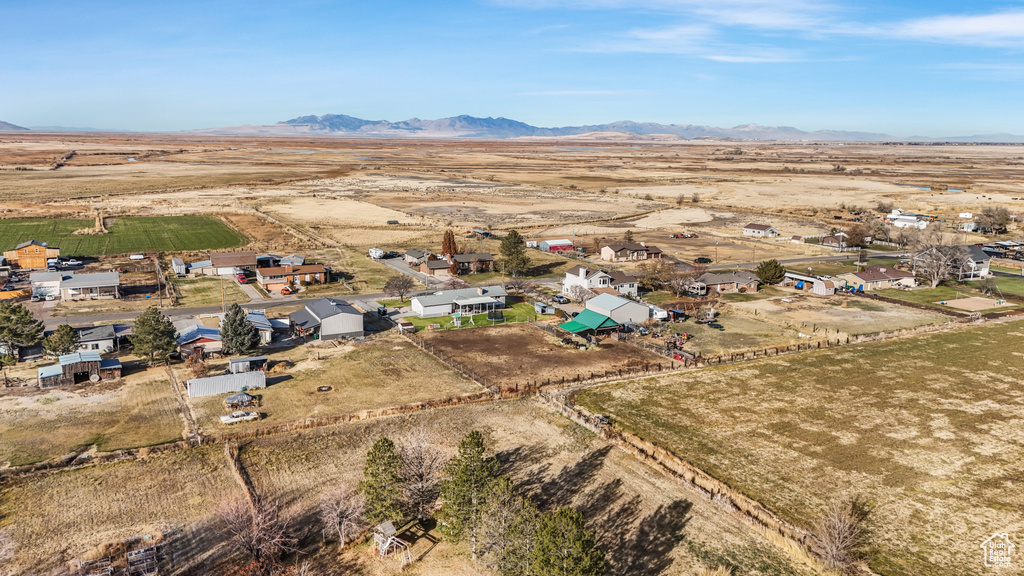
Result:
[
  {"x": 474, "y": 127},
  {"x": 8, "y": 126}
]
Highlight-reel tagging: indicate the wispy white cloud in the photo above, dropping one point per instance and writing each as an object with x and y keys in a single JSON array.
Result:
[
  {"x": 1004, "y": 29},
  {"x": 700, "y": 41},
  {"x": 582, "y": 92}
]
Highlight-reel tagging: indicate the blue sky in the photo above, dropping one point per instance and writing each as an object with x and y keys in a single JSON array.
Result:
[{"x": 935, "y": 68}]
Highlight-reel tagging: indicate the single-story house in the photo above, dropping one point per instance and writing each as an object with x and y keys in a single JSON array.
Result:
[
  {"x": 900, "y": 219},
  {"x": 247, "y": 364},
  {"x": 226, "y": 383},
  {"x": 562, "y": 245},
  {"x": 729, "y": 282},
  {"x": 474, "y": 262},
  {"x": 589, "y": 320},
  {"x": 436, "y": 268},
  {"x": 178, "y": 266},
  {"x": 628, "y": 251},
  {"x": 199, "y": 338},
  {"x": 264, "y": 325},
  {"x": 97, "y": 338},
  {"x": 277, "y": 277},
  {"x": 465, "y": 300},
  {"x": 31, "y": 254},
  {"x": 618, "y": 309},
  {"x": 90, "y": 286},
  {"x": 807, "y": 282},
  {"x": 77, "y": 368},
  {"x": 879, "y": 277},
  {"x": 415, "y": 256},
  {"x": 760, "y": 230},
  {"x": 594, "y": 280},
  {"x": 228, "y": 263},
  {"x": 327, "y": 319}
]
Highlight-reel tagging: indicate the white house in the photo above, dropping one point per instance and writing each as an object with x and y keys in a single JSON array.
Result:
[
  {"x": 327, "y": 319},
  {"x": 618, "y": 308},
  {"x": 901, "y": 219},
  {"x": 760, "y": 230},
  {"x": 97, "y": 338},
  {"x": 465, "y": 300},
  {"x": 594, "y": 280}
]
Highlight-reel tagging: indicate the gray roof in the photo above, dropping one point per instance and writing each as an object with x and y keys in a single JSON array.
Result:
[
  {"x": 45, "y": 277},
  {"x": 293, "y": 259},
  {"x": 238, "y": 398},
  {"x": 247, "y": 360},
  {"x": 437, "y": 264},
  {"x": 198, "y": 332},
  {"x": 177, "y": 261},
  {"x": 92, "y": 280},
  {"x": 94, "y": 333},
  {"x": 327, "y": 307},
  {"x": 978, "y": 255},
  {"x": 415, "y": 253},
  {"x": 30, "y": 243},
  {"x": 608, "y": 302},
  {"x": 49, "y": 371},
  {"x": 476, "y": 257},
  {"x": 226, "y": 383},
  {"x": 450, "y": 296},
  {"x": 303, "y": 319},
  {"x": 201, "y": 264},
  {"x": 77, "y": 357},
  {"x": 711, "y": 278}
]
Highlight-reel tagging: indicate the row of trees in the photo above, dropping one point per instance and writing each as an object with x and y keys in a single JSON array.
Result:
[{"x": 504, "y": 529}]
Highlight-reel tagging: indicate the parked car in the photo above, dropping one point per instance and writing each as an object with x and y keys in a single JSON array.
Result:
[
  {"x": 34, "y": 298},
  {"x": 702, "y": 260},
  {"x": 73, "y": 262},
  {"x": 286, "y": 290},
  {"x": 50, "y": 297},
  {"x": 239, "y": 416},
  {"x": 51, "y": 269},
  {"x": 1018, "y": 255},
  {"x": 242, "y": 279},
  {"x": 559, "y": 299}
]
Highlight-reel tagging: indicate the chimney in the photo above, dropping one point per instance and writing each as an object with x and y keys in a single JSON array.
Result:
[
  {"x": 644, "y": 245},
  {"x": 882, "y": 270},
  {"x": 583, "y": 273}
]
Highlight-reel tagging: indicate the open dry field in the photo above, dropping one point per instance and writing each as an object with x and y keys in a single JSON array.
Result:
[
  {"x": 139, "y": 410},
  {"x": 647, "y": 523},
  {"x": 928, "y": 428},
  {"x": 522, "y": 353},
  {"x": 384, "y": 372}
]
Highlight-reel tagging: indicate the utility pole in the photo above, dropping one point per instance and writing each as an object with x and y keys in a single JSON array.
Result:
[{"x": 223, "y": 308}]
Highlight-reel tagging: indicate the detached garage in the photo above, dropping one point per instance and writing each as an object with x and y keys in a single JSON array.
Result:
[
  {"x": 226, "y": 383},
  {"x": 618, "y": 309}
]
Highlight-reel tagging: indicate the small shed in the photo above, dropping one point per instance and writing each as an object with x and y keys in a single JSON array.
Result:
[
  {"x": 249, "y": 364},
  {"x": 225, "y": 383},
  {"x": 178, "y": 266},
  {"x": 406, "y": 326},
  {"x": 77, "y": 368}
]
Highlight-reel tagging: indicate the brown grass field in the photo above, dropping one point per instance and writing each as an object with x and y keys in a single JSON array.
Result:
[
  {"x": 497, "y": 354},
  {"x": 139, "y": 410},
  {"x": 927, "y": 428}
]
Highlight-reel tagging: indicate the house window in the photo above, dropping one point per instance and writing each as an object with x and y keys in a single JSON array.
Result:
[{"x": 95, "y": 346}]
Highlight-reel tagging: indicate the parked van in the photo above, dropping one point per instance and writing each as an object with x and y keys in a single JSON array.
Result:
[{"x": 137, "y": 257}]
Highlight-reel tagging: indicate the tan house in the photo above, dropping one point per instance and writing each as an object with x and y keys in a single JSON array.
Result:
[
  {"x": 436, "y": 268},
  {"x": 31, "y": 254},
  {"x": 729, "y": 282},
  {"x": 879, "y": 277},
  {"x": 629, "y": 251},
  {"x": 760, "y": 230}
]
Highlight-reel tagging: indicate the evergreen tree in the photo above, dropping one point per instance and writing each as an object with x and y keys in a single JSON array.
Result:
[
  {"x": 565, "y": 547},
  {"x": 381, "y": 482},
  {"x": 63, "y": 340},
  {"x": 513, "y": 254},
  {"x": 628, "y": 237},
  {"x": 468, "y": 478},
  {"x": 18, "y": 328},
  {"x": 448, "y": 243},
  {"x": 237, "y": 335},
  {"x": 770, "y": 272},
  {"x": 508, "y": 532},
  {"x": 153, "y": 335}
]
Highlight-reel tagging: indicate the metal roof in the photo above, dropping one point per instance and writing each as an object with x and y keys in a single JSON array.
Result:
[
  {"x": 201, "y": 264},
  {"x": 93, "y": 280},
  {"x": 450, "y": 296},
  {"x": 588, "y": 320},
  {"x": 258, "y": 319},
  {"x": 30, "y": 243},
  {"x": 35, "y": 277},
  {"x": 608, "y": 302},
  {"x": 473, "y": 301},
  {"x": 79, "y": 357},
  {"x": 247, "y": 359},
  {"x": 94, "y": 333},
  {"x": 107, "y": 363},
  {"x": 327, "y": 307},
  {"x": 177, "y": 261},
  {"x": 226, "y": 383},
  {"x": 303, "y": 319},
  {"x": 198, "y": 332},
  {"x": 293, "y": 259},
  {"x": 49, "y": 371}
]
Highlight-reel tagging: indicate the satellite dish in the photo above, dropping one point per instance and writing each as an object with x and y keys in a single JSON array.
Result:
[{"x": 94, "y": 378}]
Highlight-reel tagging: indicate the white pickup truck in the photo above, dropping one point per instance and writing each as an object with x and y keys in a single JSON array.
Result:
[{"x": 239, "y": 416}]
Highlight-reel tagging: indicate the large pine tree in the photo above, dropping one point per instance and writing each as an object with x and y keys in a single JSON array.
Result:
[
  {"x": 153, "y": 335},
  {"x": 238, "y": 336},
  {"x": 63, "y": 340},
  {"x": 565, "y": 547},
  {"x": 469, "y": 476},
  {"x": 513, "y": 254},
  {"x": 381, "y": 483},
  {"x": 18, "y": 328}
]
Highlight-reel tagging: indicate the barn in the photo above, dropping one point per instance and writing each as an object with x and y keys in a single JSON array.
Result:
[
  {"x": 178, "y": 266},
  {"x": 618, "y": 309},
  {"x": 226, "y": 383},
  {"x": 78, "y": 368},
  {"x": 31, "y": 254},
  {"x": 562, "y": 245}
]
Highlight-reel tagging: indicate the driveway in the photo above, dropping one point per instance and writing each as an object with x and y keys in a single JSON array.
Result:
[
  {"x": 399, "y": 265},
  {"x": 252, "y": 293}
]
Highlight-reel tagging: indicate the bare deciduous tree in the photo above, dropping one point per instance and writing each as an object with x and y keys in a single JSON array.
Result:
[
  {"x": 259, "y": 530},
  {"x": 679, "y": 281},
  {"x": 342, "y": 511},
  {"x": 508, "y": 530},
  {"x": 423, "y": 459},
  {"x": 937, "y": 263},
  {"x": 519, "y": 284},
  {"x": 454, "y": 283},
  {"x": 841, "y": 534},
  {"x": 580, "y": 294}
]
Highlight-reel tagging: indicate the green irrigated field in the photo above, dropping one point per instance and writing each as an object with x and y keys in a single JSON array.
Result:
[
  {"x": 931, "y": 429},
  {"x": 126, "y": 234}
]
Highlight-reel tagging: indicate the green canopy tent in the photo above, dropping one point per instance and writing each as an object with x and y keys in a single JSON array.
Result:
[{"x": 588, "y": 320}]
